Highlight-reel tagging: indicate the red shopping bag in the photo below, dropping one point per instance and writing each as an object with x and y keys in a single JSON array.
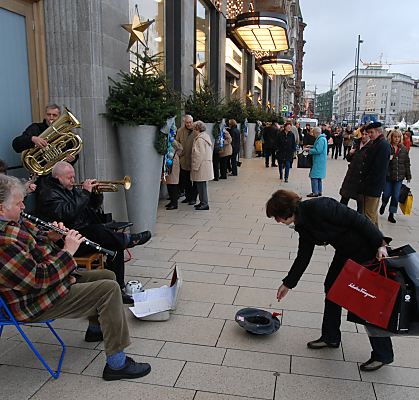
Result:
[{"x": 368, "y": 294}]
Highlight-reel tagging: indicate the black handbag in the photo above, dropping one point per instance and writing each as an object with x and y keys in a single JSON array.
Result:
[
  {"x": 304, "y": 160},
  {"x": 404, "y": 192}
]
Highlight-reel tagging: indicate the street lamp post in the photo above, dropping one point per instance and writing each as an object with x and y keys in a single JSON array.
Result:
[{"x": 356, "y": 77}]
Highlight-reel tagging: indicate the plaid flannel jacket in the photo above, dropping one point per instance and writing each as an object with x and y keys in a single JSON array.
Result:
[{"x": 34, "y": 272}]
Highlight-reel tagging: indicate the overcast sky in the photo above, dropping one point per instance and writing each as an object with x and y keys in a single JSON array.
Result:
[{"x": 387, "y": 27}]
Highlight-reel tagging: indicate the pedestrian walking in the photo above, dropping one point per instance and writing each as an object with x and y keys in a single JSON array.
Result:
[
  {"x": 351, "y": 183},
  {"x": 374, "y": 170},
  {"x": 398, "y": 170},
  {"x": 347, "y": 140},
  {"x": 318, "y": 169},
  {"x": 172, "y": 180},
  {"x": 235, "y": 144},
  {"x": 286, "y": 147},
  {"x": 270, "y": 134}
]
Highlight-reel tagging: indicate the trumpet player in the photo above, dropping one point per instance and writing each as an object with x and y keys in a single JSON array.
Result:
[
  {"x": 38, "y": 281},
  {"x": 60, "y": 200}
]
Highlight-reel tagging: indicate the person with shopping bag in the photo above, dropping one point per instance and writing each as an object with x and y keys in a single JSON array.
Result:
[{"x": 323, "y": 221}]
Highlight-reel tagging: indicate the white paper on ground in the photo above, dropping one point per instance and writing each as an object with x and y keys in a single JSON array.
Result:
[{"x": 155, "y": 300}]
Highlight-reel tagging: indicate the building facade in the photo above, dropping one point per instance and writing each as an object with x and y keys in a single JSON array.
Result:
[
  {"x": 66, "y": 51},
  {"x": 324, "y": 107},
  {"x": 381, "y": 96}
]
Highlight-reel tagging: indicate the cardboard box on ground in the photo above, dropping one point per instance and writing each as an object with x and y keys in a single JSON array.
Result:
[{"x": 155, "y": 304}]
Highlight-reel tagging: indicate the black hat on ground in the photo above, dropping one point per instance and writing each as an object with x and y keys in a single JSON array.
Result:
[
  {"x": 257, "y": 321},
  {"x": 373, "y": 125}
]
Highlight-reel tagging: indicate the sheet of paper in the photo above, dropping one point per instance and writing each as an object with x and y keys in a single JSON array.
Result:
[
  {"x": 152, "y": 294},
  {"x": 142, "y": 309}
]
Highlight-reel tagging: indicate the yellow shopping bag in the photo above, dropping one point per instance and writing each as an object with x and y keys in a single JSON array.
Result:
[
  {"x": 406, "y": 207},
  {"x": 258, "y": 145}
]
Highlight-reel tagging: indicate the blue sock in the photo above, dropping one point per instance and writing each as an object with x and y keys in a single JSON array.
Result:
[{"x": 117, "y": 360}]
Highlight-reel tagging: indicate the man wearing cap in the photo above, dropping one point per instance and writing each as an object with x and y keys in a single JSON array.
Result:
[{"x": 374, "y": 170}]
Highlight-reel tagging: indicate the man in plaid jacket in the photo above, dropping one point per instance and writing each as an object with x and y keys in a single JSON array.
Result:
[{"x": 39, "y": 281}]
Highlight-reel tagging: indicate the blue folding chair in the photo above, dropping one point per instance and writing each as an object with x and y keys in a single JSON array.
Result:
[{"x": 6, "y": 319}]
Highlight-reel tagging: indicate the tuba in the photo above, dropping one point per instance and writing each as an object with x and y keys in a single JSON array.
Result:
[{"x": 61, "y": 144}]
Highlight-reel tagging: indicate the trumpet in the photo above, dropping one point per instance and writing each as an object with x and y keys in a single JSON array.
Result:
[{"x": 110, "y": 186}]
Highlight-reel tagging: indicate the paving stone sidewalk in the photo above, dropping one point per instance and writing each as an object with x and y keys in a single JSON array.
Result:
[{"x": 231, "y": 257}]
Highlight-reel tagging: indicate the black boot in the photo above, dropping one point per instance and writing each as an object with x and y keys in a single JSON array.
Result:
[
  {"x": 382, "y": 209},
  {"x": 391, "y": 218}
]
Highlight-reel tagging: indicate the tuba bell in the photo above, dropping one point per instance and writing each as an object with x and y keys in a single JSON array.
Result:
[{"x": 61, "y": 144}]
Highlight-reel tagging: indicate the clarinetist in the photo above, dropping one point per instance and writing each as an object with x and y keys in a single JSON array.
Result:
[
  {"x": 39, "y": 281},
  {"x": 60, "y": 200}
]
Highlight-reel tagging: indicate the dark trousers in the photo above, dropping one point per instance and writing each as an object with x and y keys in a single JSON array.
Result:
[
  {"x": 359, "y": 203},
  {"x": 269, "y": 153},
  {"x": 337, "y": 148},
  {"x": 284, "y": 164},
  {"x": 108, "y": 239},
  {"x": 346, "y": 150},
  {"x": 216, "y": 165},
  {"x": 381, "y": 346},
  {"x": 186, "y": 184},
  {"x": 173, "y": 191},
  {"x": 234, "y": 162},
  {"x": 223, "y": 167}
]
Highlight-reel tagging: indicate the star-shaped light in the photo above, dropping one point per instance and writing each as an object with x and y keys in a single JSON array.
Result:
[
  {"x": 136, "y": 30},
  {"x": 198, "y": 67},
  {"x": 260, "y": 100},
  {"x": 268, "y": 104},
  {"x": 235, "y": 86},
  {"x": 250, "y": 95}
]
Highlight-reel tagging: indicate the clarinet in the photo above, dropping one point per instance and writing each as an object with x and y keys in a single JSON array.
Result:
[{"x": 87, "y": 242}]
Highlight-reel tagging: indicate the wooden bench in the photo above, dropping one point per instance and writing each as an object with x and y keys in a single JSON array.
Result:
[{"x": 92, "y": 261}]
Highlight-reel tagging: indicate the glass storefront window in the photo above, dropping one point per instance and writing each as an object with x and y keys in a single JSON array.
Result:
[
  {"x": 202, "y": 41},
  {"x": 148, "y": 10}
]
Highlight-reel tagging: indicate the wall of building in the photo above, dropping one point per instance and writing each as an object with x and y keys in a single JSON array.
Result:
[
  {"x": 380, "y": 93},
  {"x": 86, "y": 45}
]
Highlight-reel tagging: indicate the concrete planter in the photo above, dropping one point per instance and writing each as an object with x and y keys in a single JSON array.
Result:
[
  {"x": 210, "y": 127},
  {"x": 142, "y": 162},
  {"x": 250, "y": 140}
]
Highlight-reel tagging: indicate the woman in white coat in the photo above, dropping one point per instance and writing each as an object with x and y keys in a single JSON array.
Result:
[{"x": 201, "y": 171}]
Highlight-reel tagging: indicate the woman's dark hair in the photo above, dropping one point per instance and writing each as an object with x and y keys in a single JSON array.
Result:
[
  {"x": 286, "y": 124},
  {"x": 282, "y": 204}
]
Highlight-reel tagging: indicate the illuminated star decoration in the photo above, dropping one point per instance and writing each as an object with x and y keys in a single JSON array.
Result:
[
  {"x": 235, "y": 86},
  {"x": 250, "y": 95},
  {"x": 136, "y": 30},
  {"x": 268, "y": 104},
  {"x": 260, "y": 100},
  {"x": 198, "y": 67}
]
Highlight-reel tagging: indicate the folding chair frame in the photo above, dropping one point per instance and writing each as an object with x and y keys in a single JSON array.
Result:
[{"x": 7, "y": 319}]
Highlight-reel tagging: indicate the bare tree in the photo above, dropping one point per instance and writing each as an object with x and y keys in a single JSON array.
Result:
[{"x": 409, "y": 116}]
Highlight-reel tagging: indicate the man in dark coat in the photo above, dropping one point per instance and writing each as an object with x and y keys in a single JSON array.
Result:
[
  {"x": 60, "y": 200},
  {"x": 285, "y": 149},
  {"x": 320, "y": 222},
  {"x": 350, "y": 184},
  {"x": 374, "y": 171},
  {"x": 270, "y": 134},
  {"x": 29, "y": 138}
]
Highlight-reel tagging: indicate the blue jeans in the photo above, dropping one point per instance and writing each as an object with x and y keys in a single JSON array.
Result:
[
  {"x": 281, "y": 165},
  {"x": 392, "y": 189},
  {"x": 316, "y": 185}
]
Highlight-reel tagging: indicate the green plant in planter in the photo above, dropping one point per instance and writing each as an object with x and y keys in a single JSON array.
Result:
[
  {"x": 205, "y": 105},
  {"x": 143, "y": 97},
  {"x": 235, "y": 109},
  {"x": 254, "y": 113}
]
